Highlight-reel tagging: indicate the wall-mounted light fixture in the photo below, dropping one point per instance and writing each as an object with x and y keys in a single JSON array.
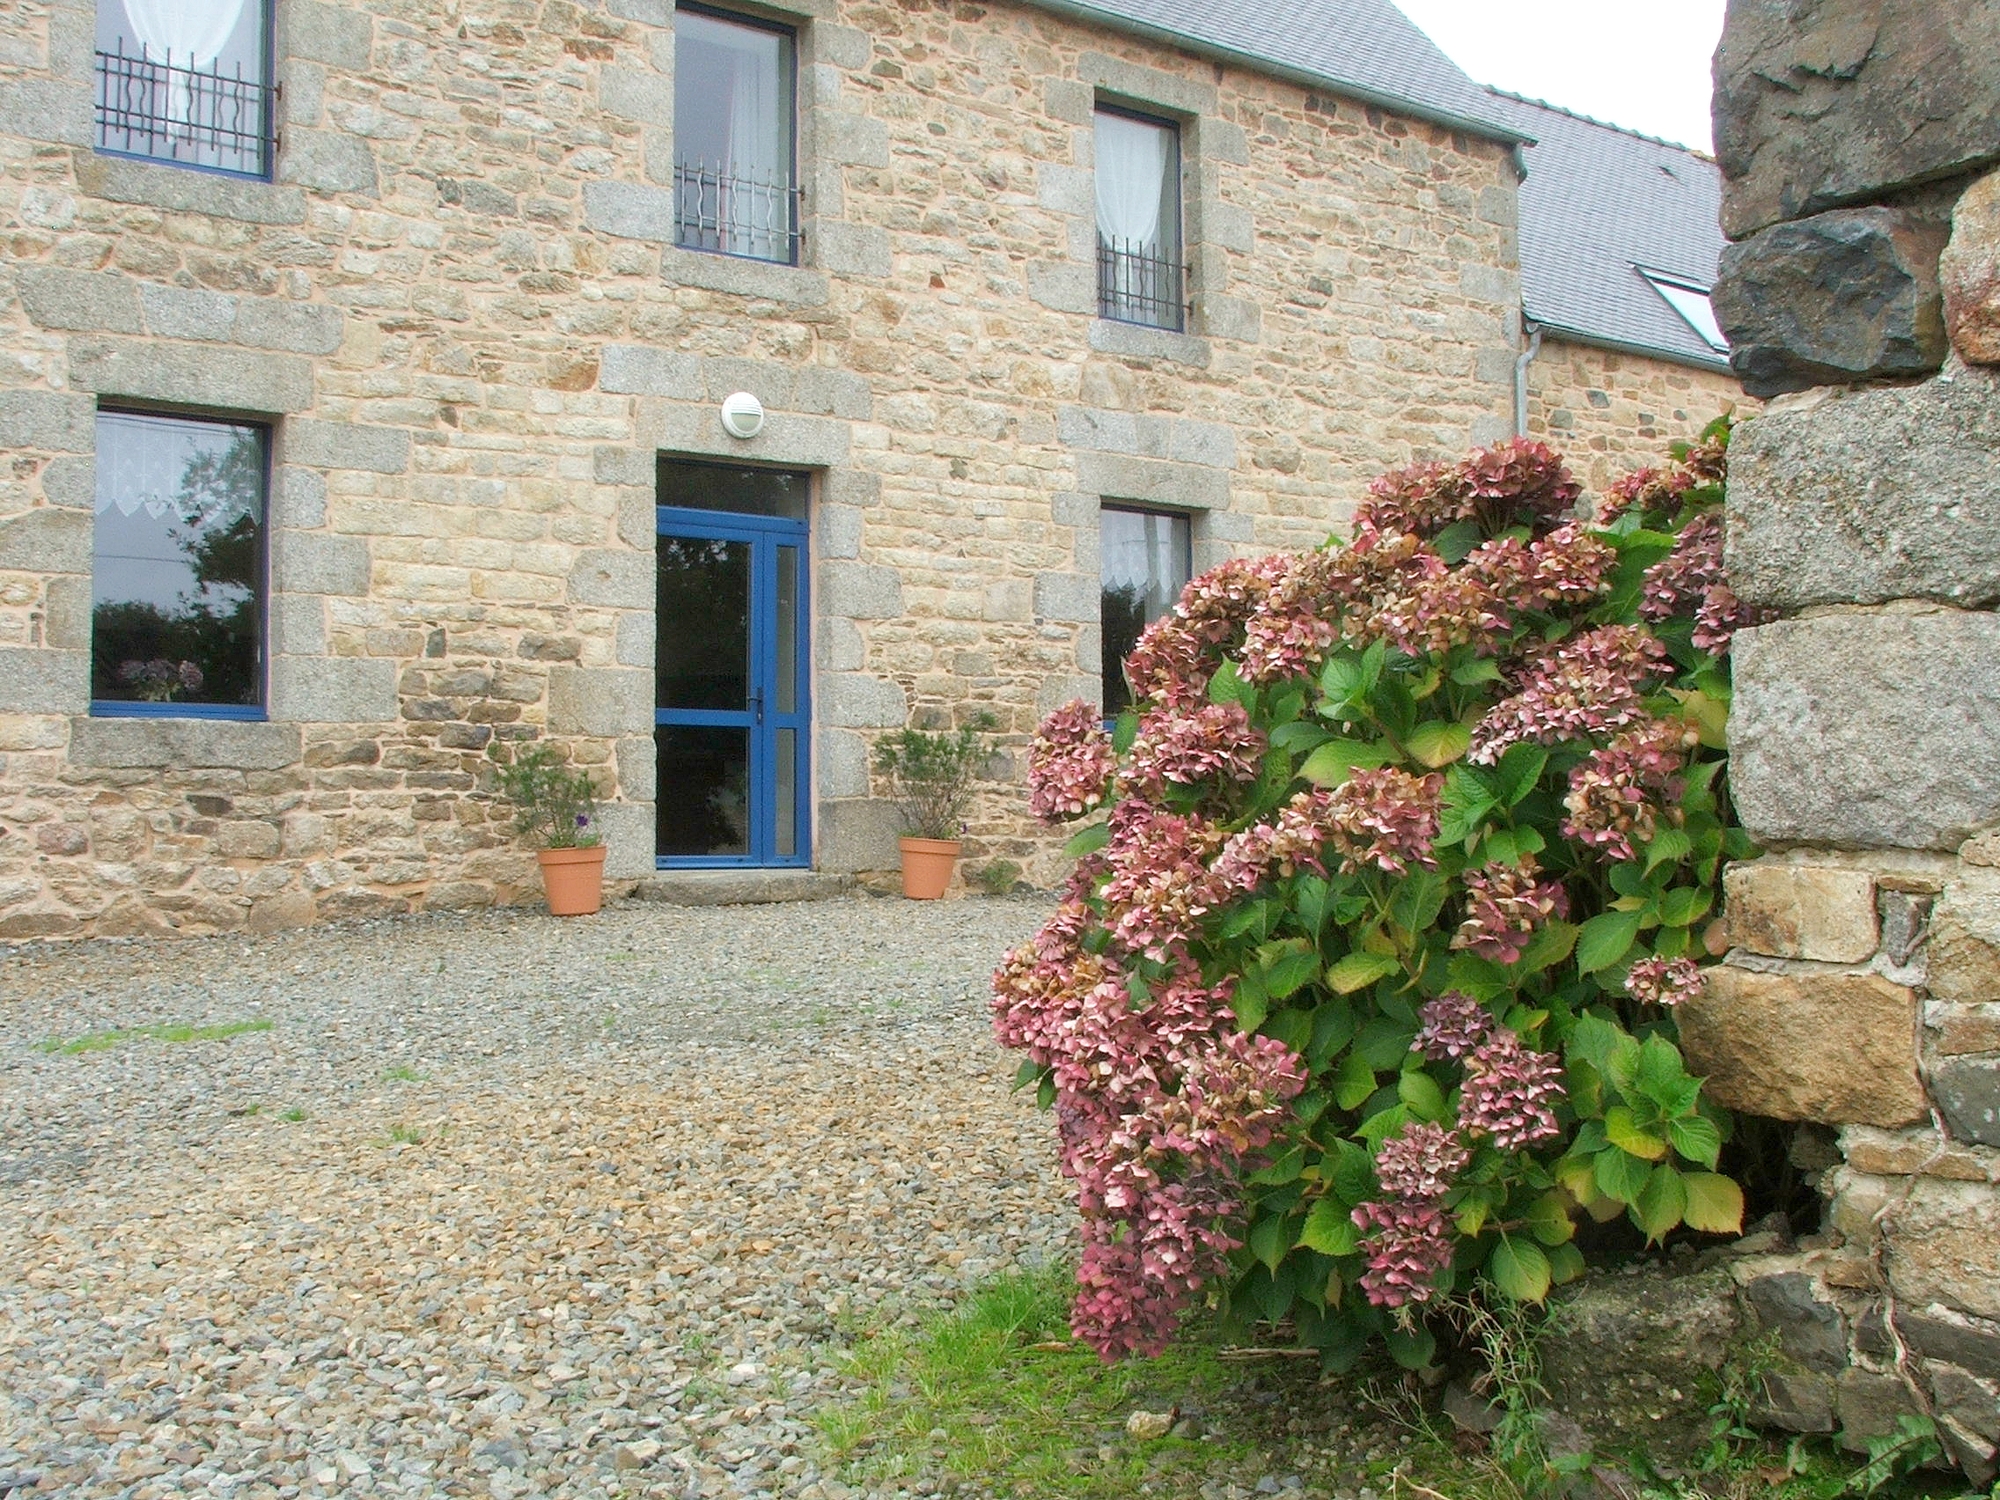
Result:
[{"x": 742, "y": 415}]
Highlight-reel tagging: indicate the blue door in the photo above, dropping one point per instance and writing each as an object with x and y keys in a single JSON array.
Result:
[{"x": 731, "y": 718}]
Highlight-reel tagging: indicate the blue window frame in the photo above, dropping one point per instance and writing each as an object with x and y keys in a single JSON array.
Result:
[
  {"x": 178, "y": 567},
  {"x": 732, "y": 721}
]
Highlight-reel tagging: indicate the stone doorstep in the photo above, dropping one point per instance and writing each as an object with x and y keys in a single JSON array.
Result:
[{"x": 741, "y": 887}]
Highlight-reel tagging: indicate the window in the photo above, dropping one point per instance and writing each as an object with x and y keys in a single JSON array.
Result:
[
  {"x": 1140, "y": 278},
  {"x": 177, "y": 567},
  {"x": 1690, "y": 300},
  {"x": 1147, "y": 558},
  {"x": 733, "y": 172},
  {"x": 186, "y": 81}
]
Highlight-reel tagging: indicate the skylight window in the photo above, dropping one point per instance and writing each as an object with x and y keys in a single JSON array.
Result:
[{"x": 1691, "y": 302}]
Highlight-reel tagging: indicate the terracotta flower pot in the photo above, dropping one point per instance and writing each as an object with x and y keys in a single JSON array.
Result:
[
  {"x": 927, "y": 866},
  {"x": 574, "y": 880}
]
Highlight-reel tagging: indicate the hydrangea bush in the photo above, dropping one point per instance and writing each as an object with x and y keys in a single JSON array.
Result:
[{"x": 1362, "y": 990}]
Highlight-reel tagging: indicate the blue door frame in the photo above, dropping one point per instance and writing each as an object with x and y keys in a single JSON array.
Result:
[{"x": 766, "y": 536}]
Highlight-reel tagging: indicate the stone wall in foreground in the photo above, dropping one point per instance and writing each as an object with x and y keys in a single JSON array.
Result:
[{"x": 1862, "y": 988}]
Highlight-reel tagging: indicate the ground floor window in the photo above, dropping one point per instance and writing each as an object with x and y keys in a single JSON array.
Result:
[
  {"x": 1147, "y": 558},
  {"x": 177, "y": 566}
]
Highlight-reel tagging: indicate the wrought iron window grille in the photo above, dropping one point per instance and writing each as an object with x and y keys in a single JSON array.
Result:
[
  {"x": 1141, "y": 283},
  {"x": 198, "y": 117},
  {"x": 754, "y": 216}
]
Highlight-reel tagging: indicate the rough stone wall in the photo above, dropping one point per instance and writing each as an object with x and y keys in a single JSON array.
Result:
[
  {"x": 1862, "y": 990},
  {"x": 459, "y": 308},
  {"x": 1609, "y": 413}
]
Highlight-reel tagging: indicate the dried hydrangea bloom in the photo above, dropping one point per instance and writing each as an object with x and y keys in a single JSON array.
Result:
[
  {"x": 1443, "y": 609},
  {"x": 1070, "y": 763},
  {"x": 1617, "y": 792},
  {"x": 1407, "y": 1246},
  {"x": 1420, "y": 1162},
  {"x": 1387, "y": 819},
  {"x": 1588, "y": 685},
  {"x": 1289, "y": 843},
  {"x": 1158, "y": 886},
  {"x": 1505, "y": 906},
  {"x": 1450, "y": 1026},
  {"x": 1676, "y": 583},
  {"x": 1516, "y": 483},
  {"x": 1569, "y": 566},
  {"x": 1139, "y": 1272},
  {"x": 1663, "y": 981},
  {"x": 1215, "y": 741},
  {"x": 1510, "y": 1093},
  {"x": 1721, "y": 614}
]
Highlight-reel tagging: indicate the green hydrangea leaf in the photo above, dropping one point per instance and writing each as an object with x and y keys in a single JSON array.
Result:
[{"x": 1519, "y": 1269}]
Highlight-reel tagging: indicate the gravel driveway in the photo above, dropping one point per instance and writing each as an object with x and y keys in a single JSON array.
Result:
[{"x": 496, "y": 1204}]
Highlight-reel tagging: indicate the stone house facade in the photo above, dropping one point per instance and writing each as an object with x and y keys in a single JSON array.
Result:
[
  {"x": 1861, "y": 995},
  {"x": 437, "y": 355}
]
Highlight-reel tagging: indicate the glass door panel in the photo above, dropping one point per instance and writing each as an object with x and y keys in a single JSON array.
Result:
[
  {"x": 704, "y": 624},
  {"x": 732, "y": 722},
  {"x": 707, "y": 814}
]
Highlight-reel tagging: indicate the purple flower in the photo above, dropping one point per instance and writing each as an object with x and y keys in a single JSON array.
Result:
[
  {"x": 1419, "y": 1162},
  {"x": 1407, "y": 1247},
  {"x": 1663, "y": 981},
  {"x": 1505, "y": 906}
]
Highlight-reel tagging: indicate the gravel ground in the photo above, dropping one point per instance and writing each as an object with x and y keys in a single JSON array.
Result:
[{"x": 498, "y": 1204}]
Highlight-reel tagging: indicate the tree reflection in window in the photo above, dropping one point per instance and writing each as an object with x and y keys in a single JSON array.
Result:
[
  {"x": 1145, "y": 560},
  {"x": 178, "y": 562}
]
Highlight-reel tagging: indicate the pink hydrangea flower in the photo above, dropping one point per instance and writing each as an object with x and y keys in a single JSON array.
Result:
[
  {"x": 1288, "y": 844},
  {"x": 1157, "y": 887},
  {"x": 1070, "y": 763},
  {"x": 1189, "y": 747},
  {"x": 1505, "y": 906},
  {"x": 1385, "y": 818},
  {"x": 1420, "y": 1162},
  {"x": 1451, "y": 1026},
  {"x": 1407, "y": 1246},
  {"x": 1616, "y": 792},
  {"x": 1663, "y": 981},
  {"x": 1510, "y": 1093},
  {"x": 1588, "y": 685}
]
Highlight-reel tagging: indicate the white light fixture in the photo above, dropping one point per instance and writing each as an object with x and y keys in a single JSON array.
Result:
[{"x": 742, "y": 415}]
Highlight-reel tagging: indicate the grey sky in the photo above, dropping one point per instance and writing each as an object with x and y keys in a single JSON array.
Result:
[{"x": 1636, "y": 63}]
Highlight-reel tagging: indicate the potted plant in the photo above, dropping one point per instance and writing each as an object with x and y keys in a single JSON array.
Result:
[
  {"x": 556, "y": 807},
  {"x": 931, "y": 772}
]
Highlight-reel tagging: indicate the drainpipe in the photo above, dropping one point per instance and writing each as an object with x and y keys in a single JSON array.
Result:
[{"x": 1521, "y": 378}]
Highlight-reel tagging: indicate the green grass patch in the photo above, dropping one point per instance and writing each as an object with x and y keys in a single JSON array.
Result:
[
  {"x": 998, "y": 1392},
  {"x": 401, "y": 1134},
  {"x": 293, "y": 1115},
  {"x": 103, "y": 1041},
  {"x": 402, "y": 1073}
]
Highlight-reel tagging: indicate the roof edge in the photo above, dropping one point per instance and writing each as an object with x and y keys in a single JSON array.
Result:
[
  {"x": 1617, "y": 346},
  {"x": 1081, "y": 10}
]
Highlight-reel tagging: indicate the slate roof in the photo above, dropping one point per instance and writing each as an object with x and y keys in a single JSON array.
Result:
[
  {"x": 1599, "y": 201},
  {"x": 1365, "y": 49}
]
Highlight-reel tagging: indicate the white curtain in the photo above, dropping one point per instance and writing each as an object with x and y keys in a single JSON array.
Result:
[
  {"x": 734, "y": 118},
  {"x": 1132, "y": 158},
  {"x": 191, "y": 32},
  {"x": 188, "y": 33}
]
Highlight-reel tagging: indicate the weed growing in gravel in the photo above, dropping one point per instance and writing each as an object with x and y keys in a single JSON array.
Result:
[
  {"x": 998, "y": 1392},
  {"x": 404, "y": 1135},
  {"x": 402, "y": 1073},
  {"x": 102, "y": 1041},
  {"x": 294, "y": 1115}
]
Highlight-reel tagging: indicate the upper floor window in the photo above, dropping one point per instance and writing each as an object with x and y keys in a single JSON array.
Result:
[
  {"x": 1140, "y": 276},
  {"x": 177, "y": 567},
  {"x": 186, "y": 81},
  {"x": 1146, "y": 558},
  {"x": 734, "y": 180}
]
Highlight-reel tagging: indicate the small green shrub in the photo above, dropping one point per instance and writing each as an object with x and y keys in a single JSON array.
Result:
[
  {"x": 554, "y": 806},
  {"x": 931, "y": 774},
  {"x": 996, "y": 878}
]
